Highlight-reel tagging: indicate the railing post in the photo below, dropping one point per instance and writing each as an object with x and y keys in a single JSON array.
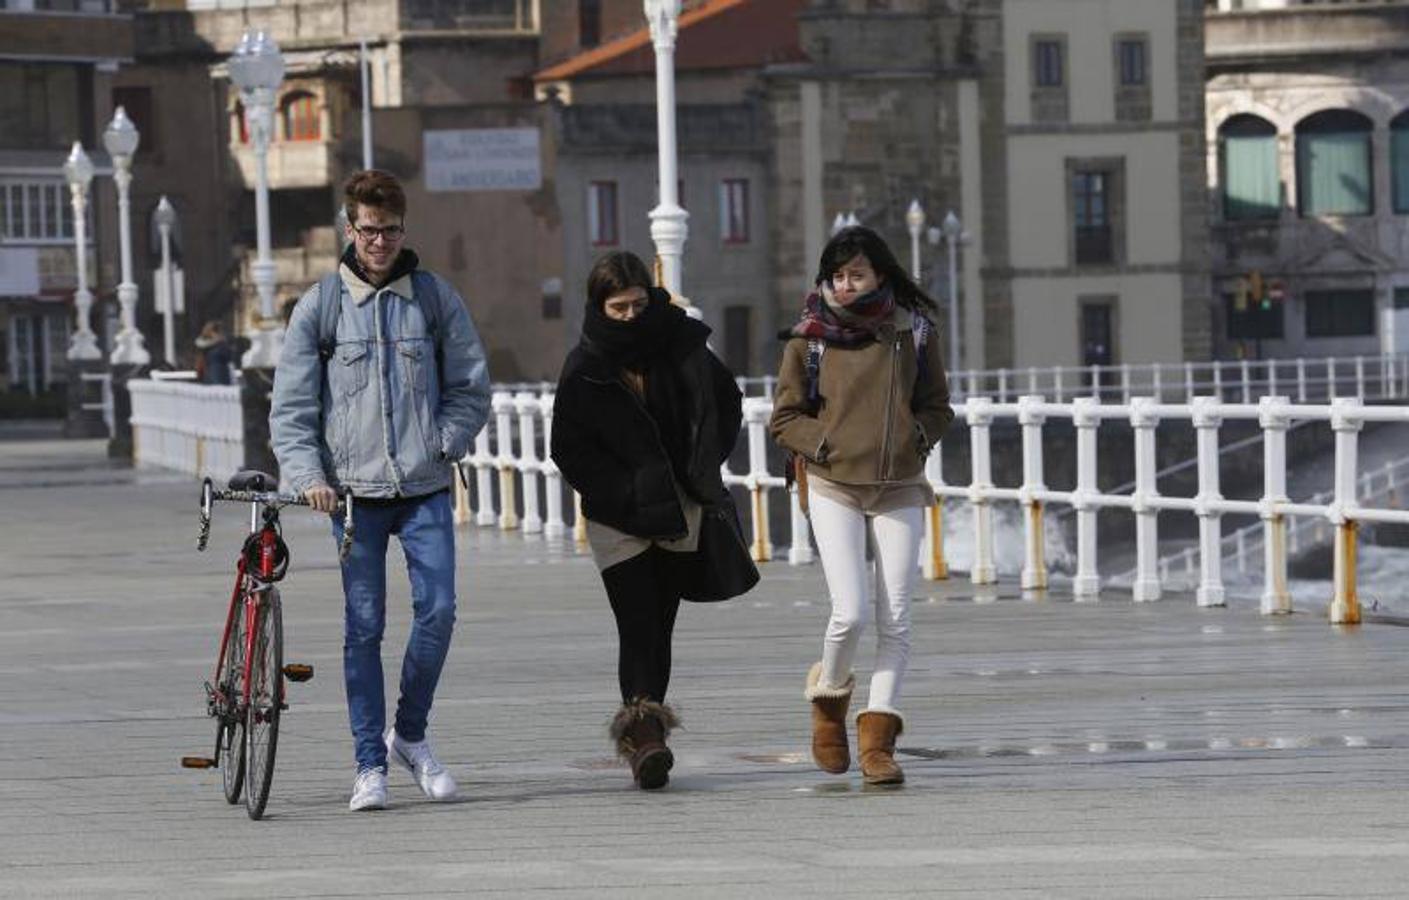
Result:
[
  {"x": 1125, "y": 382},
  {"x": 1206, "y": 422},
  {"x": 1346, "y": 423},
  {"x": 1086, "y": 585},
  {"x": 484, "y": 479},
  {"x": 502, "y": 403},
  {"x": 1060, "y": 388},
  {"x": 1188, "y": 382},
  {"x": 800, "y": 550},
  {"x": 980, "y": 417},
  {"x": 461, "y": 513},
  {"x": 526, "y": 404},
  {"x": 1034, "y": 570},
  {"x": 1002, "y": 385},
  {"x": 1330, "y": 378},
  {"x": 1360, "y": 378},
  {"x": 1156, "y": 380},
  {"x": 756, "y": 414},
  {"x": 1300, "y": 380},
  {"x": 1276, "y": 599},
  {"x": 1032, "y": 387},
  {"x": 1271, "y": 377},
  {"x": 553, "y": 527},
  {"x": 1143, "y": 420},
  {"x": 1218, "y": 380},
  {"x": 1246, "y": 372},
  {"x": 932, "y": 562},
  {"x": 579, "y": 521}
]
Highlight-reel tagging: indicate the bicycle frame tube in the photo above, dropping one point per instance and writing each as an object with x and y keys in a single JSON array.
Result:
[
  {"x": 268, "y": 544},
  {"x": 229, "y": 621}
]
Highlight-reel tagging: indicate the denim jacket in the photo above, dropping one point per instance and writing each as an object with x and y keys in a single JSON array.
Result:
[{"x": 383, "y": 422}]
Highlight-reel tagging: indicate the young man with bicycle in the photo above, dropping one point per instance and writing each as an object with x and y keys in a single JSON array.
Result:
[{"x": 381, "y": 387}]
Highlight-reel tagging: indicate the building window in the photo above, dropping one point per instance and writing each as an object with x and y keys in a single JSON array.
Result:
[
  {"x": 1091, "y": 218},
  {"x": 601, "y": 213},
  {"x": 1252, "y": 320},
  {"x": 1399, "y": 161},
  {"x": 734, "y": 210},
  {"x": 1340, "y": 313},
  {"x": 301, "y": 117},
  {"x": 1047, "y": 63},
  {"x": 1097, "y": 331},
  {"x": 38, "y": 212},
  {"x": 1401, "y": 298},
  {"x": 1333, "y": 164},
  {"x": 589, "y": 23},
  {"x": 42, "y": 105},
  {"x": 1130, "y": 55},
  {"x": 738, "y": 337},
  {"x": 1248, "y": 160}
]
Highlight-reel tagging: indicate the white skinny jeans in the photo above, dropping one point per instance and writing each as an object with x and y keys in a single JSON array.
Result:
[{"x": 841, "y": 533}]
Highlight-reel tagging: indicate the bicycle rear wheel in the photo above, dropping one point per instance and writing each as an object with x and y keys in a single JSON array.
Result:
[
  {"x": 230, "y": 720},
  {"x": 266, "y": 701}
]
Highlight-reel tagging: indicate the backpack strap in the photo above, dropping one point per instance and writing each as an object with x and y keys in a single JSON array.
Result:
[
  {"x": 426, "y": 289},
  {"x": 329, "y": 309}
]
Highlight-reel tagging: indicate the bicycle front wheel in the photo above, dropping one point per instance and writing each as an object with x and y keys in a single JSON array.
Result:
[
  {"x": 266, "y": 701},
  {"x": 230, "y": 719}
]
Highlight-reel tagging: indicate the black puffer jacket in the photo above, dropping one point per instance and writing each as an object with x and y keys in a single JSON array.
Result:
[{"x": 608, "y": 447}]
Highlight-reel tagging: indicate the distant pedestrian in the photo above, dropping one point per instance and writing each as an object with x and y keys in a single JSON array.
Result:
[
  {"x": 861, "y": 399},
  {"x": 381, "y": 387},
  {"x": 213, "y": 355},
  {"x": 645, "y": 415}
]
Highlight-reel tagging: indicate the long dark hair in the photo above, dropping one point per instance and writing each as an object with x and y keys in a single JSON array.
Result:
[
  {"x": 846, "y": 244},
  {"x": 613, "y": 273}
]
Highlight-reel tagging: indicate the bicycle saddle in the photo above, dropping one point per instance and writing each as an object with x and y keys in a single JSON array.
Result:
[{"x": 253, "y": 480}]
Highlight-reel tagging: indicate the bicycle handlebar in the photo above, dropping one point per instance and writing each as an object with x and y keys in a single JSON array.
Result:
[{"x": 209, "y": 494}]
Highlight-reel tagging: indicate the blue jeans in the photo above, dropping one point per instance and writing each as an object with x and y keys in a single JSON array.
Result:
[{"x": 425, "y": 529}]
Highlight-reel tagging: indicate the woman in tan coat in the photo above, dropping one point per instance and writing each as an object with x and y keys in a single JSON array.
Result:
[{"x": 861, "y": 399}]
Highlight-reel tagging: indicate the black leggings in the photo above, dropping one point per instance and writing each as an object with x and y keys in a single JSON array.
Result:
[{"x": 645, "y": 600}]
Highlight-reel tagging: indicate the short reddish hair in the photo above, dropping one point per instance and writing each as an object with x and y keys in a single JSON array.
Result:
[{"x": 373, "y": 187}]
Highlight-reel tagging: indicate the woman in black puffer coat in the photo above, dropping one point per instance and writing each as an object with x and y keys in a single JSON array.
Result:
[{"x": 645, "y": 415}]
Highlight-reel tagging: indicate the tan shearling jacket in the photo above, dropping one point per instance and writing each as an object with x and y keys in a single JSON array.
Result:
[{"x": 877, "y": 421}]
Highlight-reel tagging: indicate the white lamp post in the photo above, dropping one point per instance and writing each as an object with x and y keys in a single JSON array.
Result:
[
  {"x": 915, "y": 221},
  {"x": 166, "y": 220},
  {"x": 668, "y": 220},
  {"x": 953, "y": 231},
  {"x": 78, "y": 170},
  {"x": 257, "y": 68},
  {"x": 121, "y": 140}
]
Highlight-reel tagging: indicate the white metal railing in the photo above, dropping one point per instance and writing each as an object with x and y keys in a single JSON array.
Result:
[
  {"x": 1384, "y": 377},
  {"x": 516, "y": 461},
  {"x": 195, "y": 428}
]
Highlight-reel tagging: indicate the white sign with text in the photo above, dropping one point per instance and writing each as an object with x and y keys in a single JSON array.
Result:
[{"x": 482, "y": 159}]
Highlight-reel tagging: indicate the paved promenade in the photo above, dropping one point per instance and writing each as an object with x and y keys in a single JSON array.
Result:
[{"x": 1054, "y": 749}]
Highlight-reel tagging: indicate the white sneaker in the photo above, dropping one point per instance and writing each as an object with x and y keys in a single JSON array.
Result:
[
  {"x": 369, "y": 790},
  {"x": 420, "y": 761}
]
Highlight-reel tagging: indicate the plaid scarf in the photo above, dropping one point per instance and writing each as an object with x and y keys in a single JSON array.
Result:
[{"x": 849, "y": 326}]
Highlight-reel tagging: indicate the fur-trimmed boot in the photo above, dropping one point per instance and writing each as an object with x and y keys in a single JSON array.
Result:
[
  {"x": 829, "y": 747},
  {"x": 875, "y": 737},
  {"x": 639, "y": 730}
]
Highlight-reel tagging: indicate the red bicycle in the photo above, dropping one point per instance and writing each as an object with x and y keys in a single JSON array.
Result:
[{"x": 247, "y": 694}]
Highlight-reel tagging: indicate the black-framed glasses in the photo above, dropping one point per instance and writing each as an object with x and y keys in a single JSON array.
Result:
[{"x": 370, "y": 233}]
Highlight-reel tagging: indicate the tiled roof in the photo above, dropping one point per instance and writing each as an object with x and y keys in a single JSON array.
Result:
[{"x": 718, "y": 34}]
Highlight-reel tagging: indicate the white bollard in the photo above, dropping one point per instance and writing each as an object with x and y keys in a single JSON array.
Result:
[
  {"x": 502, "y": 403},
  {"x": 483, "y": 462},
  {"x": 1206, "y": 422},
  {"x": 1086, "y": 585},
  {"x": 526, "y": 405},
  {"x": 1346, "y": 423},
  {"x": 800, "y": 550},
  {"x": 1276, "y": 599},
  {"x": 1034, "y": 570},
  {"x": 553, "y": 527},
  {"x": 1143, "y": 420},
  {"x": 756, "y": 415},
  {"x": 932, "y": 562},
  {"x": 980, "y": 417}
]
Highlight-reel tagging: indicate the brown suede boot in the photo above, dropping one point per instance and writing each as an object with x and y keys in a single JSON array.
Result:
[
  {"x": 875, "y": 737},
  {"x": 639, "y": 730},
  {"x": 829, "y": 747}
]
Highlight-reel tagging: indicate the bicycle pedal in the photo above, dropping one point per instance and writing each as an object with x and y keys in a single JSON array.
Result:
[
  {"x": 197, "y": 762},
  {"x": 298, "y": 672}
]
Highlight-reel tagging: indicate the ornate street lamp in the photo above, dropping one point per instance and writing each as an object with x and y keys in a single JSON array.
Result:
[
  {"x": 166, "y": 220},
  {"x": 668, "y": 219},
  {"x": 915, "y": 221},
  {"x": 257, "y": 68},
  {"x": 121, "y": 140},
  {"x": 78, "y": 171}
]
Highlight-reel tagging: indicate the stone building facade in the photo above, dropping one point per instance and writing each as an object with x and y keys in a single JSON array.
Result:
[{"x": 1308, "y": 166}]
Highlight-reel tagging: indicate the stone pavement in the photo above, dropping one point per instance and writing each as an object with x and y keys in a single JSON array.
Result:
[{"x": 1053, "y": 749}]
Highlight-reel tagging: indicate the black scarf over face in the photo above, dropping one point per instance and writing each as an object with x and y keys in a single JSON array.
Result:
[{"x": 653, "y": 345}]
